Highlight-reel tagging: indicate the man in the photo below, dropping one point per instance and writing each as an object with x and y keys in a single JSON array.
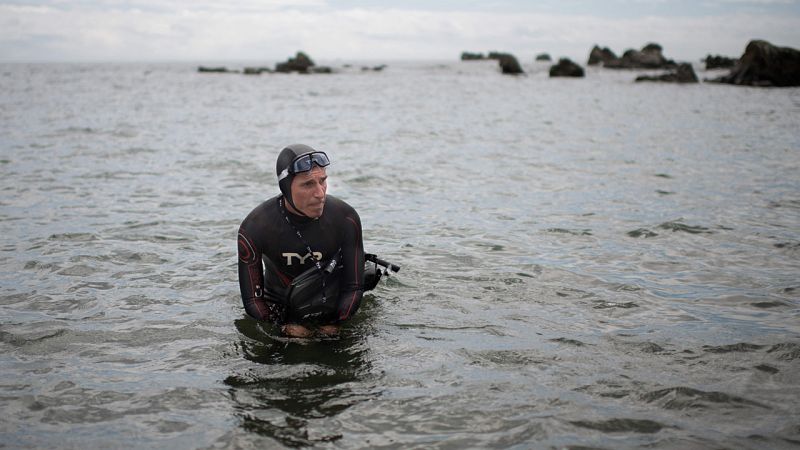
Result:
[{"x": 304, "y": 232}]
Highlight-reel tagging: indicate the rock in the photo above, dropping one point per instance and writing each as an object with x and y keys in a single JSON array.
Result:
[
  {"x": 374, "y": 68},
  {"x": 719, "y": 62},
  {"x": 543, "y": 57},
  {"x": 509, "y": 64},
  {"x": 566, "y": 68},
  {"x": 300, "y": 63},
  {"x": 683, "y": 74},
  {"x": 203, "y": 69},
  {"x": 600, "y": 56},
  {"x": 321, "y": 69},
  {"x": 467, "y": 56},
  {"x": 764, "y": 64},
  {"x": 649, "y": 57},
  {"x": 256, "y": 70}
]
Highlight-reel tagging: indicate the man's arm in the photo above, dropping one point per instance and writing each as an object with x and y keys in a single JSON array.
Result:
[
  {"x": 352, "y": 288},
  {"x": 251, "y": 280}
]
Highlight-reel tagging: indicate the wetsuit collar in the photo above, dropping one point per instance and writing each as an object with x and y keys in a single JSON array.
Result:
[{"x": 293, "y": 212}]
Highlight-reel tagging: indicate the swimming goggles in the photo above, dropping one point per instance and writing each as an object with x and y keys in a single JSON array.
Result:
[{"x": 304, "y": 163}]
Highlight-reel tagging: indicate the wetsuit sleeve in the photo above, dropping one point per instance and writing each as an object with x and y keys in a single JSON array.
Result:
[
  {"x": 352, "y": 288},
  {"x": 251, "y": 280}
]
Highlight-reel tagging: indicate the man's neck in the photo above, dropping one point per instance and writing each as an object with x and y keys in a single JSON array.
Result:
[
  {"x": 291, "y": 208},
  {"x": 296, "y": 213}
]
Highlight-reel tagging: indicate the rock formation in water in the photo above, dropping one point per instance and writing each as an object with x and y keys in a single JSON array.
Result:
[
  {"x": 301, "y": 63},
  {"x": 719, "y": 62},
  {"x": 508, "y": 63},
  {"x": 566, "y": 68},
  {"x": 764, "y": 64},
  {"x": 256, "y": 70},
  {"x": 373, "y": 68},
  {"x": 600, "y": 56},
  {"x": 683, "y": 74},
  {"x": 543, "y": 57},
  {"x": 468, "y": 56},
  {"x": 649, "y": 57},
  {"x": 205, "y": 69}
]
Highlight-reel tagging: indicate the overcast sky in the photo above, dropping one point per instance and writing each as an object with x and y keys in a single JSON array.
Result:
[{"x": 271, "y": 30}]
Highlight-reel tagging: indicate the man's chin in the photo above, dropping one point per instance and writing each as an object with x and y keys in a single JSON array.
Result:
[{"x": 315, "y": 211}]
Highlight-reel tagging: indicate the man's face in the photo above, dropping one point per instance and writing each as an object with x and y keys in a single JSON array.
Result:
[{"x": 308, "y": 191}]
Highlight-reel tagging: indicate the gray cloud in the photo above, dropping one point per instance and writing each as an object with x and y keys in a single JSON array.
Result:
[{"x": 273, "y": 30}]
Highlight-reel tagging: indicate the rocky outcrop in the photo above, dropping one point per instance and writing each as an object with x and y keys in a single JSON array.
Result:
[
  {"x": 508, "y": 63},
  {"x": 649, "y": 57},
  {"x": 566, "y": 68},
  {"x": 764, "y": 64},
  {"x": 683, "y": 74},
  {"x": 468, "y": 56},
  {"x": 256, "y": 70},
  {"x": 719, "y": 62},
  {"x": 600, "y": 56},
  {"x": 205, "y": 69},
  {"x": 373, "y": 68},
  {"x": 301, "y": 63},
  {"x": 543, "y": 57}
]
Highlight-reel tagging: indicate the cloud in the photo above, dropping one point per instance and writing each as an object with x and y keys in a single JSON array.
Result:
[
  {"x": 273, "y": 30},
  {"x": 757, "y": 2}
]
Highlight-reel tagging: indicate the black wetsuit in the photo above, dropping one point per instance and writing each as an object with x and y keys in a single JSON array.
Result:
[{"x": 265, "y": 234}]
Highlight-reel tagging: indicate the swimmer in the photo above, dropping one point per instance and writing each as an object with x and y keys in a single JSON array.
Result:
[{"x": 302, "y": 231}]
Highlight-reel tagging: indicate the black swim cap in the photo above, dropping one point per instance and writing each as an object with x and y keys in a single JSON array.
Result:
[{"x": 285, "y": 159}]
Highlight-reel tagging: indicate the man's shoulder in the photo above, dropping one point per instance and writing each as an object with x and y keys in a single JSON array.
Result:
[
  {"x": 339, "y": 205},
  {"x": 262, "y": 212}
]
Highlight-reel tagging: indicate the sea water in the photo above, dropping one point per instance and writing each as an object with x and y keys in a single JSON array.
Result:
[{"x": 585, "y": 262}]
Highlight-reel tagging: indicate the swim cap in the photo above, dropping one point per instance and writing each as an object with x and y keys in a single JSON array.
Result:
[{"x": 285, "y": 159}]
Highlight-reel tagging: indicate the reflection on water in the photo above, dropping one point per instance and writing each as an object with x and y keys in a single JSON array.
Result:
[{"x": 298, "y": 381}]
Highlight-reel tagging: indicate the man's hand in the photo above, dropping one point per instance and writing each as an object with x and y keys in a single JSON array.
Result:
[
  {"x": 329, "y": 330},
  {"x": 296, "y": 331}
]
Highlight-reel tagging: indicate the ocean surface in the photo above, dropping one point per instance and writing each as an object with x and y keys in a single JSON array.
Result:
[{"x": 586, "y": 263}]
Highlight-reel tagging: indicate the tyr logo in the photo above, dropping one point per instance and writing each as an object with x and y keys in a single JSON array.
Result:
[{"x": 290, "y": 256}]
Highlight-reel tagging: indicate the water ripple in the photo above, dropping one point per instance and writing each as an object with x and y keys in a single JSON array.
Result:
[{"x": 580, "y": 267}]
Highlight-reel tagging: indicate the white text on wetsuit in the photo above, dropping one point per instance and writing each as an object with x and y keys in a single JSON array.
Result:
[{"x": 290, "y": 256}]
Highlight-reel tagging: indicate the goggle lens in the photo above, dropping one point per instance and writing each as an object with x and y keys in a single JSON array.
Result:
[{"x": 306, "y": 162}]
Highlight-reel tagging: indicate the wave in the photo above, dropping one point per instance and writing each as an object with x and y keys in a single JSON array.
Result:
[
  {"x": 788, "y": 351},
  {"x": 621, "y": 425},
  {"x": 682, "y": 227},
  {"x": 682, "y": 397},
  {"x": 740, "y": 347}
]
